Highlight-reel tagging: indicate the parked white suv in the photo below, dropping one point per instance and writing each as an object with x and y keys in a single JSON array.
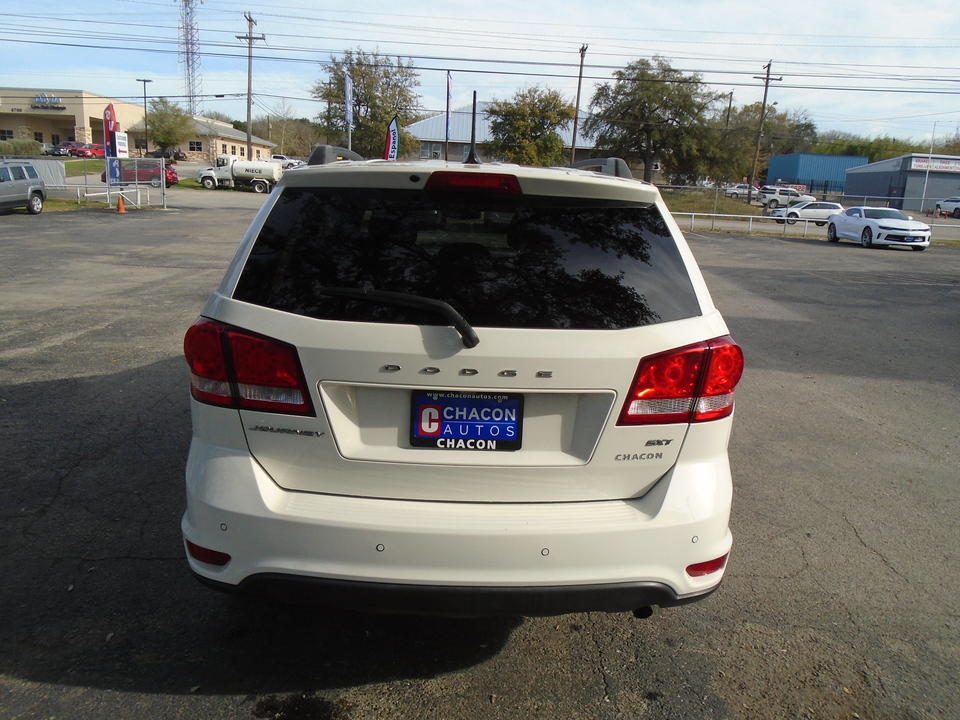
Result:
[
  {"x": 287, "y": 162},
  {"x": 950, "y": 206},
  {"x": 775, "y": 195},
  {"x": 444, "y": 388}
]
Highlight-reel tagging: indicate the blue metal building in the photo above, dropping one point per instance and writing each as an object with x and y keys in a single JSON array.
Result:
[{"x": 820, "y": 173}]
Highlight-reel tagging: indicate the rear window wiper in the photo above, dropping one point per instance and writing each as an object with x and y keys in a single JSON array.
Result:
[{"x": 467, "y": 333}]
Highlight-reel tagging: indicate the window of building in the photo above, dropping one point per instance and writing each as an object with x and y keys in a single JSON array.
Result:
[
  {"x": 431, "y": 151},
  {"x": 55, "y": 139},
  {"x": 243, "y": 151},
  {"x": 223, "y": 149},
  {"x": 258, "y": 153},
  {"x": 38, "y": 136},
  {"x": 233, "y": 149},
  {"x": 6, "y": 134},
  {"x": 196, "y": 146}
]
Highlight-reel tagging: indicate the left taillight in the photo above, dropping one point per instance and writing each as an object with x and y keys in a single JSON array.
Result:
[
  {"x": 233, "y": 368},
  {"x": 690, "y": 384}
]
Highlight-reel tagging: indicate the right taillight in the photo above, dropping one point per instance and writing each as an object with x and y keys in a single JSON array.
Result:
[
  {"x": 234, "y": 368},
  {"x": 690, "y": 384}
]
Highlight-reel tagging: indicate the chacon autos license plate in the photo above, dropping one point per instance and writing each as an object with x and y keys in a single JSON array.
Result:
[{"x": 466, "y": 420}]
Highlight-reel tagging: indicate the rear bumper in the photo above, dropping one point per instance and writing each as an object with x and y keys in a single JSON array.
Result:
[
  {"x": 458, "y": 601},
  {"x": 458, "y": 558}
]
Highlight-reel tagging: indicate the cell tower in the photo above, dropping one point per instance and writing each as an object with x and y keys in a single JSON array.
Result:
[{"x": 190, "y": 57}]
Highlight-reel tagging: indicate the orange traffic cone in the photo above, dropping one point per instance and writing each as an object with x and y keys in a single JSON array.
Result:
[{"x": 120, "y": 207}]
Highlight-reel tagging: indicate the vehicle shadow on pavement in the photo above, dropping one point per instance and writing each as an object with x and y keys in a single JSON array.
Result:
[{"x": 97, "y": 592}]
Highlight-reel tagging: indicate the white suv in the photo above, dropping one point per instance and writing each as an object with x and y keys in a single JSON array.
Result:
[
  {"x": 462, "y": 389},
  {"x": 775, "y": 195},
  {"x": 950, "y": 206}
]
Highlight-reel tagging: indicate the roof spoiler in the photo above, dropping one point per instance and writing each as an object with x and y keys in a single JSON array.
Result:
[
  {"x": 323, "y": 154},
  {"x": 605, "y": 166}
]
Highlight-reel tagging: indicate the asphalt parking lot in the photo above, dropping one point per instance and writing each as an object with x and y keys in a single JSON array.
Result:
[{"x": 840, "y": 601}]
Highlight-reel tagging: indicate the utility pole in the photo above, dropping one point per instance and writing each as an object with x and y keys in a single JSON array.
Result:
[
  {"x": 763, "y": 113},
  {"x": 726, "y": 130},
  {"x": 576, "y": 109},
  {"x": 250, "y": 37}
]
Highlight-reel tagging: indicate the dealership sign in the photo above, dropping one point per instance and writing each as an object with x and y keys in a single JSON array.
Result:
[
  {"x": 951, "y": 165},
  {"x": 47, "y": 102}
]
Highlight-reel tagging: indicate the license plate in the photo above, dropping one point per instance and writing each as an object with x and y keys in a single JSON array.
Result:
[{"x": 466, "y": 420}]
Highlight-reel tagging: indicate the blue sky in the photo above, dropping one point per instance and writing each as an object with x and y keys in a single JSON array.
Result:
[{"x": 873, "y": 68}]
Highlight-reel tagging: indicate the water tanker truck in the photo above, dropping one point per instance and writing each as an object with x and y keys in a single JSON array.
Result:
[{"x": 231, "y": 172}]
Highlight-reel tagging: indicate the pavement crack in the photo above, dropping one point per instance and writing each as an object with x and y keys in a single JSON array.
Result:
[
  {"x": 873, "y": 550},
  {"x": 608, "y": 690}
]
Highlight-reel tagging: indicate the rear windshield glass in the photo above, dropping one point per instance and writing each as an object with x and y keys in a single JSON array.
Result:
[{"x": 515, "y": 261}]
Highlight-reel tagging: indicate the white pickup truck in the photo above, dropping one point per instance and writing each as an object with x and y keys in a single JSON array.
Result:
[{"x": 230, "y": 171}]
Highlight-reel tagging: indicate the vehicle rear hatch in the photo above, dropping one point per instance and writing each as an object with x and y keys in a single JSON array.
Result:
[{"x": 566, "y": 284}]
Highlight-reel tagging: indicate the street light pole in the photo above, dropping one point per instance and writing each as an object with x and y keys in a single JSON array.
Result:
[{"x": 145, "y": 146}]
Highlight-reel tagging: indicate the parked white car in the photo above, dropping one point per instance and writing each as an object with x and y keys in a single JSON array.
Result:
[
  {"x": 878, "y": 226},
  {"x": 774, "y": 196},
  {"x": 460, "y": 389},
  {"x": 950, "y": 206},
  {"x": 816, "y": 210}
]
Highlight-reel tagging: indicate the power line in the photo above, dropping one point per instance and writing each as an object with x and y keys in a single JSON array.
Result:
[{"x": 443, "y": 65}]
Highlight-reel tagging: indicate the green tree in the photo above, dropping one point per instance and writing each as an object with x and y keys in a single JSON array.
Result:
[
  {"x": 217, "y": 115},
  {"x": 727, "y": 151},
  {"x": 876, "y": 149},
  {"x": 731, "y": 152},
  {"x": 382, "y": 88},
  {"x": 652, "y": 113},
  {"x": 292, "y": 135},
  {"x": 168, "y": 124},
  {"x": 949, "y": 145},
  {"x": 525, "y": 129},
  {"x": 787, "y": 132}
]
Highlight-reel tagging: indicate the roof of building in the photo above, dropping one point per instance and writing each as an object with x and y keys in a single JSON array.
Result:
[
  {"x": 434, "y": 128},
  {"x": 207, "y": 127},
  {"x": 217, "y": 128}
]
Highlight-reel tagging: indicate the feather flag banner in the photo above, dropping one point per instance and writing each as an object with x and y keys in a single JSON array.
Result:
[
  {"x": 391, "y": 149},
  {"x": 449, "y": 102}
]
